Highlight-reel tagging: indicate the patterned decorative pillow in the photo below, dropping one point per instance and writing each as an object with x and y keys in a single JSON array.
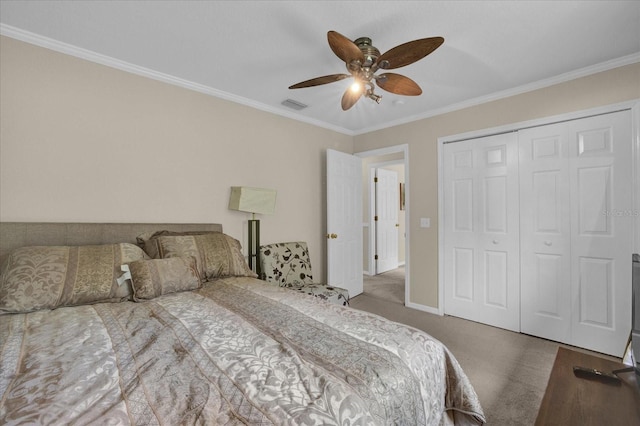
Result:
[
  {"x": 217, "y": 254},
  {"x": 287, "y": 264},
  {"x": 39, "y": 277},
  {"x": 154, "y": 277},
  {"x": 149, "y": 240}
]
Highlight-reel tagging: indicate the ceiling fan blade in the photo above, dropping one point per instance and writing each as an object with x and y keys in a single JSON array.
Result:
[
  {"x": 344, "y": 48},
  {"x": 408, "y": 53},
  {"x": 351, "y": 96},
  {"x": 398, "y": 84},
  {"x": 325, "y": 79}
]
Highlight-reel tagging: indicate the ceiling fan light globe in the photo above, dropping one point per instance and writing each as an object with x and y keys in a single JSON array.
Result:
[
  {"x": 354, "y": 67},
  {"x": 356, "y": 87}
]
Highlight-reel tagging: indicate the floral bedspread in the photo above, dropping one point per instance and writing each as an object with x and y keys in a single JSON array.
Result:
[{"x": 238, "y": 351}]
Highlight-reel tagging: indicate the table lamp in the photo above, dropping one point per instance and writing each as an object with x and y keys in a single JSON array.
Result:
[{"x": 253, "y": 200}]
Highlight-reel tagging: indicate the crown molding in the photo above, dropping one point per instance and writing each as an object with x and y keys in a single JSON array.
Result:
[
  {"x": 81, "y": 53},
  {"x": 68, "y": 49},
  {"x": 562, "y": 78}
]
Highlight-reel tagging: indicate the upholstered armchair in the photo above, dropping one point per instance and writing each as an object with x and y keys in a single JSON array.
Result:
[{"x": 289, "y": 265}]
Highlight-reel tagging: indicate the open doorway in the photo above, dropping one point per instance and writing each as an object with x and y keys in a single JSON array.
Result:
[
  {"x": 386, "y": 279},
  {"x": 388, "y": 286}
]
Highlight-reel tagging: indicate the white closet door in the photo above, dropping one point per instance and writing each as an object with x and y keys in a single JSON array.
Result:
[
  {"x": 545, "y": 232},
  {"x": 557, "y": 262},
  {"x": 481, "y": 276},
  {"x": 600, "y": 166},
  {"x": 576, "y": 230}
]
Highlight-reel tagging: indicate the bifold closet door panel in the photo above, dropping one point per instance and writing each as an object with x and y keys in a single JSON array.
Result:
[
  {"x": 481, "y": 261},
  {"x": 545, "y": 232},
  {"x": 600, "y": 167}
]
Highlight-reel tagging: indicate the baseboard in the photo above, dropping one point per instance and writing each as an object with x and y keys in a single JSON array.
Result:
[{"x": 424, "y": 308}]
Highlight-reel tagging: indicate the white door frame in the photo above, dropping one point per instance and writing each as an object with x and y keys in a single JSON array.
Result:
[
  {"x": 372, "y": 207},
  {"x": 633, "y": 105},
  {"x": 404, "y": 149}
]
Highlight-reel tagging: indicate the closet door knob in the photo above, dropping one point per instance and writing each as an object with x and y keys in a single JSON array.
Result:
[
  {"x": 547, "y": 243},
  {"x": 495, "y": 241}
]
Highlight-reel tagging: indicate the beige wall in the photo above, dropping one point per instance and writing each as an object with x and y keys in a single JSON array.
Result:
[
  {"x": 82, "y": 142},
  {"x": 610, "y": 87}
]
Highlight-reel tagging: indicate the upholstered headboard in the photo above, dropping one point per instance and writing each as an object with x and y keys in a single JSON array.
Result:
[{"x": 20, "y": 234}]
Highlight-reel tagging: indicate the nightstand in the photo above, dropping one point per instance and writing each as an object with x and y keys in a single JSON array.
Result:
[{"x": 570, "y": 400}]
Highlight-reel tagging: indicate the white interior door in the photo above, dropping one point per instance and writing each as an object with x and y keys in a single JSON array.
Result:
[
  {"x": 545, "y": 232},
  {"x": 387, "y": 225},
  {"x": 576, "y": 231},
  {"x": 481, "y": 249},
  {"x": 344, "y": 221},
  {"x": 572, "y": 232},
  {"x": 600, "y": 168}
]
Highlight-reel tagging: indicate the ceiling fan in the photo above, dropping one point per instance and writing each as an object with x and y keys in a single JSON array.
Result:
[{"x": 363, "y": 60}]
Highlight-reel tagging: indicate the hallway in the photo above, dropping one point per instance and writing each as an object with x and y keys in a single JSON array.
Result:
[{"x": 388, "y": 286}]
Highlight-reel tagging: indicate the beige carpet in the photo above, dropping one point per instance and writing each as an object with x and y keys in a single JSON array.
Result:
[
  {"x": 388, "y": 286},
  {"x": 508, "y": 370}
]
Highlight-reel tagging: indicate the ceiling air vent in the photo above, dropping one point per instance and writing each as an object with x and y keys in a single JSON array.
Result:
[{"x": 294, "y": 104}]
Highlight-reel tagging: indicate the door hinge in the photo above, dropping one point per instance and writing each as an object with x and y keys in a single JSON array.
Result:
[
  {"x": 375, "y": 257},
  {"x": 375, "y": 179},
  {"x": 375, "y": 218}
]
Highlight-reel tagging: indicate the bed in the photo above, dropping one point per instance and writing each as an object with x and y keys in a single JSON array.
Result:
[{"x": 188, "y": 335}]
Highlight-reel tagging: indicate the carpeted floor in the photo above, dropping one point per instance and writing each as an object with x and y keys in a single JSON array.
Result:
[
  {"x": 508, "y": 370},
  {"x": 388, "y": 285}
]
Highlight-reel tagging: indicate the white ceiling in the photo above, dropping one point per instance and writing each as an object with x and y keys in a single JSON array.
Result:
[{"x": 252, "y": 51}]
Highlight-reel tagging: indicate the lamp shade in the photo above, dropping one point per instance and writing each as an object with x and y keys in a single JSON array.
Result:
[{"x": 252, "y": 200}]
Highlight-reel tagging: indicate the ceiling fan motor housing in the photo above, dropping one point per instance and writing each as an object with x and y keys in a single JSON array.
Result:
[{"x": 370, "y": 52}]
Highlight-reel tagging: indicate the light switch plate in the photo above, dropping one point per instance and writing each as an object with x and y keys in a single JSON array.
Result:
[{"x": 425, "y": 222}]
